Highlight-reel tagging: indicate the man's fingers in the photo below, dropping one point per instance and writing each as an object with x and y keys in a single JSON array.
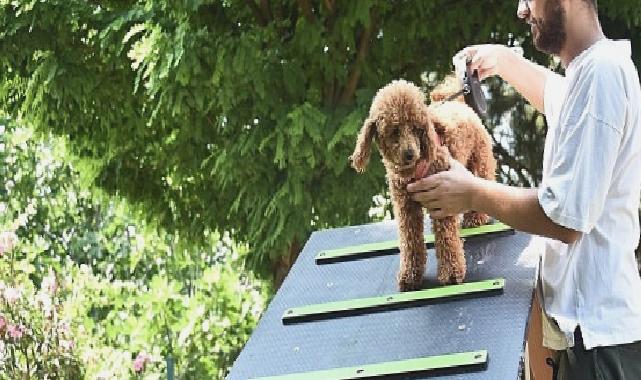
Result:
[
  {"x": 427, "y": 200},
  {"x": 424, "y": 184},
  {"x": 469, "y": 52},
  {"x": 437, "y": 213},
  {"x": 484, "y": 73},
  {"x": 465, "y": 55},
  {"x": 475, "y": 62},
  {"x": 440, "y": 212},
  {"x": 456, "y": 165}
]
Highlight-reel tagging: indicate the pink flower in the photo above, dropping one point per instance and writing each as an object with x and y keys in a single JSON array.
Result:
[
  {"x": 138, "y": 366},
  {"x": 8, "y": 240},
  {"x": 15, "y": 331},
  {"x": 64, "y": 328},
  {"x": 141, "y": 360}
]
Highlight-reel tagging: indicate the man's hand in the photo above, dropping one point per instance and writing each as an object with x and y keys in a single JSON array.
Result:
[
  {"x": 446, "y": 193},
  {"x": 526, "y": 77},
  {"x": 484, "y": 58}
]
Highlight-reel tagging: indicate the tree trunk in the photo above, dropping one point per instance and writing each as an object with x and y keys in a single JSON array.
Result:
[{"x": 283, "y": 264}]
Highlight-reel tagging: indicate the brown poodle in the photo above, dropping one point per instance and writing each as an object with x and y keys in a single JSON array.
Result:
[{"x": 415, "y": 140}]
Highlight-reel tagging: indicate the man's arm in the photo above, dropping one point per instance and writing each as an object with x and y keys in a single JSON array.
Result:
[
  {"x": 456, "y": 191},
  {"x": 525, "y": 76},
  {"x": 519, "y": 208}
]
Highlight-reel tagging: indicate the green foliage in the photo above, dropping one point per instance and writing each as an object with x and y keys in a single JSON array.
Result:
[
  {"x": 202, "y": 331},
  {"x": 127, "y": 288},
  {"x": 238, "y": 116},
  {"x": 35, "y": 335}
]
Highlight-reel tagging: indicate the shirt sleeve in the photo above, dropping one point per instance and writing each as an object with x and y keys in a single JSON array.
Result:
[
  {"x": 574, "y": 192},
  {"x": 553, "y": 95}
]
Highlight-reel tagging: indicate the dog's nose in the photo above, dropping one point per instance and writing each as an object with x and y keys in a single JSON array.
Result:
[{"x": 409, "y": 155}]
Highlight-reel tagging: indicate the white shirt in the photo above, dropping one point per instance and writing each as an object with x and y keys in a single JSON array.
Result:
[{"x": 592, "y": 183}]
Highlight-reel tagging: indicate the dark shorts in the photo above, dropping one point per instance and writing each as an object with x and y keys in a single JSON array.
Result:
[{"x": 622, "y": 362}]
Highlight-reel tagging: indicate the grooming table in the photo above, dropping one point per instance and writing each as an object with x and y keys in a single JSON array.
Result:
[{"x": 338, "y": 314}]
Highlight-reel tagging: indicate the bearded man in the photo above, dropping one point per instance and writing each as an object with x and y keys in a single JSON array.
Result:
[{"x": 586, "y": 206}]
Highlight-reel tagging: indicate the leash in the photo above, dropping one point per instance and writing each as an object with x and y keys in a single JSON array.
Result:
[
  {"x": 464, "y": 91},
  {"x": 471, "y": 91}
]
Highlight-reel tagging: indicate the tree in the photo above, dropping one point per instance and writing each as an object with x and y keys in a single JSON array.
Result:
[
  {"x": 91, "y": 283},
  {"x": 236, "y": 115}
]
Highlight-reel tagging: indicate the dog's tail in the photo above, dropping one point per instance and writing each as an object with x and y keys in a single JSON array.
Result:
[{"x": 448, "y": 87}]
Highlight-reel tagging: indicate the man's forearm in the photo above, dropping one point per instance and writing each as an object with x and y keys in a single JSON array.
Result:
[
  {"x": 520, "y": 209},
  {"x": 526, "y": 77}
]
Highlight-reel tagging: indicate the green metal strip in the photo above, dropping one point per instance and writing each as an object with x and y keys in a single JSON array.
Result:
[
  {"x": 355, "y": 306},
  {"x": 391, "y": 246},
  {"x": 379, "y": 370}
]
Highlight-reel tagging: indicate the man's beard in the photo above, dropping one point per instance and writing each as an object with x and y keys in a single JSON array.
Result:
[{"x": 551, "y": 29}]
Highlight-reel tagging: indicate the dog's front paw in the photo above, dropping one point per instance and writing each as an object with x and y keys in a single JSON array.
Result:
[
  {"x": 408, "y": 282},
  {"x": 450, "y": 274}
]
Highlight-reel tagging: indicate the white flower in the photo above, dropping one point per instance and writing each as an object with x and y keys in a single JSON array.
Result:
[
  {"x": 11, "y": 295},
  {"x": 8, "y": 240},
  {"x": 22, "y": 220},
  {"x": 104, "y": 375},
  {"x": 49, "y": 283},
  {"x": 46, "y": 303},
  {"x": 66, "y": 345},
  {"x": 30, "y": 210}
]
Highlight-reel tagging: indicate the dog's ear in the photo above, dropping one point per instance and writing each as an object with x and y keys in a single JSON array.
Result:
[
  {"x": 429, "y": 139},
  {"x": 360, "y": 157}
]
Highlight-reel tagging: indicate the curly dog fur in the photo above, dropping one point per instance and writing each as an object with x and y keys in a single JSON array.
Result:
[{"x": 407, "y": 132}]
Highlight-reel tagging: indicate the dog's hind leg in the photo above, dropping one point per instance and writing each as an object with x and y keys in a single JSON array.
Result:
[{"x": 474, "y": 219}]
